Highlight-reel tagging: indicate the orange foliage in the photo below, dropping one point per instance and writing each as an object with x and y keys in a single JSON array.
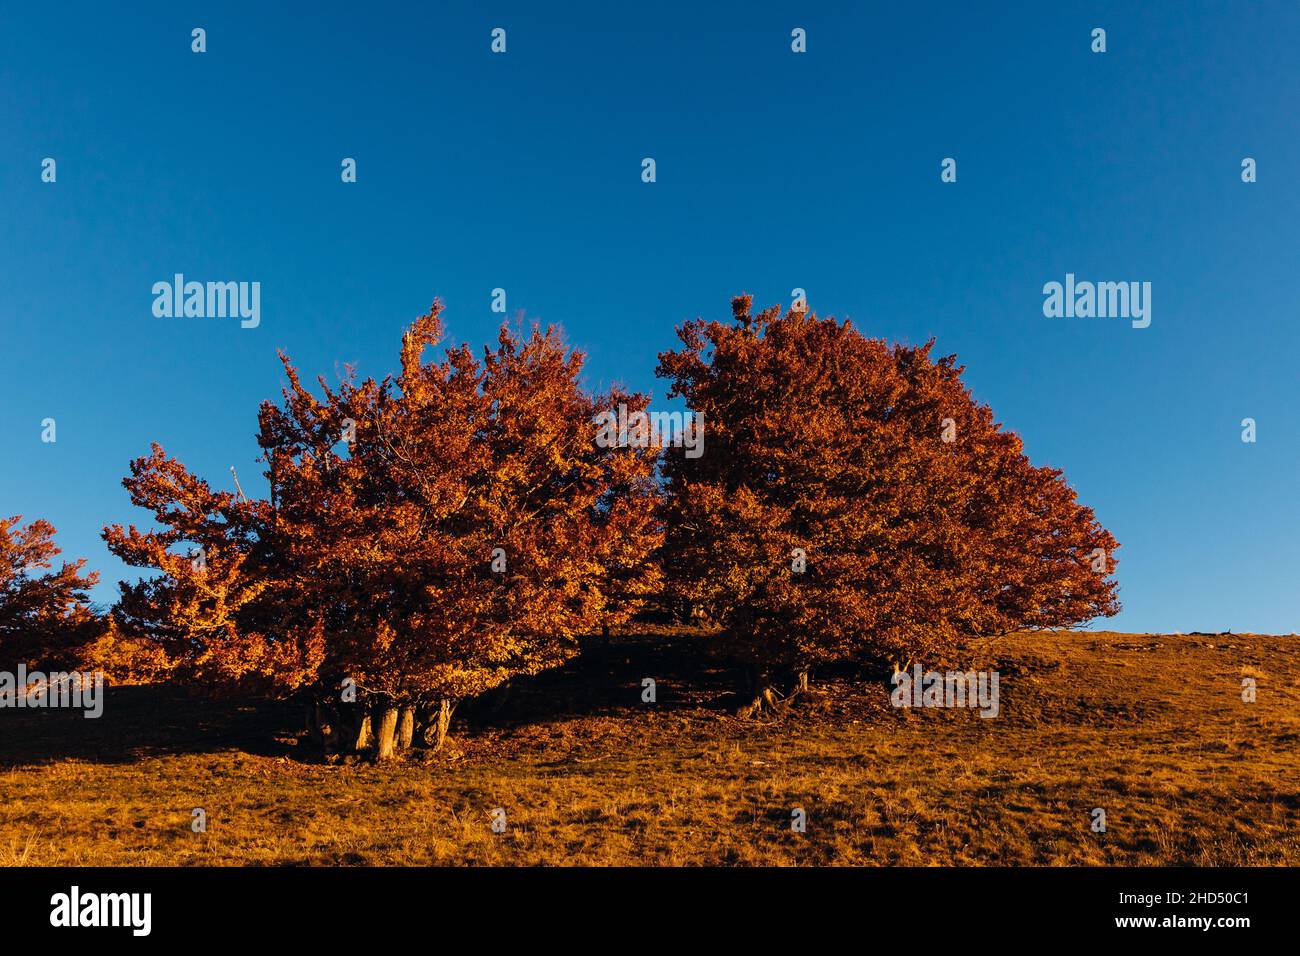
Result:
[
  {"x": 220, "y": 611},
  {"x": 44, "y": 618},
  {"x": 373, "y": 557},
  {"x": 824, "y": 440},
  {"x": 125, "y": 660},
  {"x": 392, "y": 541}
]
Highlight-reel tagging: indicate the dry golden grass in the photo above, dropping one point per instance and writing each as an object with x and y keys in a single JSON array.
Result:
[{"x": 1151, "y": 728}]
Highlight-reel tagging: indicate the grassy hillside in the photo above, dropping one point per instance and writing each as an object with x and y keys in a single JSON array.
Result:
[{"x": 1151, "y": 728}]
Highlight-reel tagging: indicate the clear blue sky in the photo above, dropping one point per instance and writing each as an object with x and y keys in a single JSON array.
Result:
[{"x": 775, "y": 170}]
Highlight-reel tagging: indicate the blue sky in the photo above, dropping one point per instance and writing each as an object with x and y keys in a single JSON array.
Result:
[{"x": 775, "y": 170}]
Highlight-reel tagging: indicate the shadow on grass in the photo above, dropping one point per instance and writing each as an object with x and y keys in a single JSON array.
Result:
[
  {"x": 140, "y": 722},
  {"x": 605, "y": 679}
]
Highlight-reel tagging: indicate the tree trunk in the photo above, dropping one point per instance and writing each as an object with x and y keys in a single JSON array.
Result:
[
  {"x": 435, "y": 731},
  {"x": 359, "y": 736},
  {"x": 329, "y": 729},
  {"x": 322, "y": 727},
  {"x": 312, "y": 721},
  {"x": 767, "y": 699},
  {"x": 405, "y": 728},
  {"x": 385, "y": 735}
]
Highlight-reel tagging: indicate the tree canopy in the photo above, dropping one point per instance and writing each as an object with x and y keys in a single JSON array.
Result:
[
  {"x": 856, "y": 502},
  {"x": 45, "y": 614},
  {"x": 426, "y": 536}
]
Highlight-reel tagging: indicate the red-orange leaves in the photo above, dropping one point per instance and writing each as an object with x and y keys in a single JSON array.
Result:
[
  {"x": 427, "y": 536},
  {"x": 856, "y": 502},
  {"x": 222, "y": 609},
  {"x": 472, "y": 528},
  {"x": 44, "y": 614}
]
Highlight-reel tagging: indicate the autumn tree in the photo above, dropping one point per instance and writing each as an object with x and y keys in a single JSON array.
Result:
[
  {"x": 426, "y": 537},
  {"x": 856, "y": 503},
  {"x": 457, "y": 524},
  {"x": 45, "y": 614},
  {"x": 221, "y": 610}
]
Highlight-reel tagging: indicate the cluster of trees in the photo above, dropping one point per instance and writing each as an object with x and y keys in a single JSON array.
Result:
[{"x": 428, "y": 537}]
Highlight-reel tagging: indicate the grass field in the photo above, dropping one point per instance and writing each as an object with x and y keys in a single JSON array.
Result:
[{"x": 1151, "y": 728}]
